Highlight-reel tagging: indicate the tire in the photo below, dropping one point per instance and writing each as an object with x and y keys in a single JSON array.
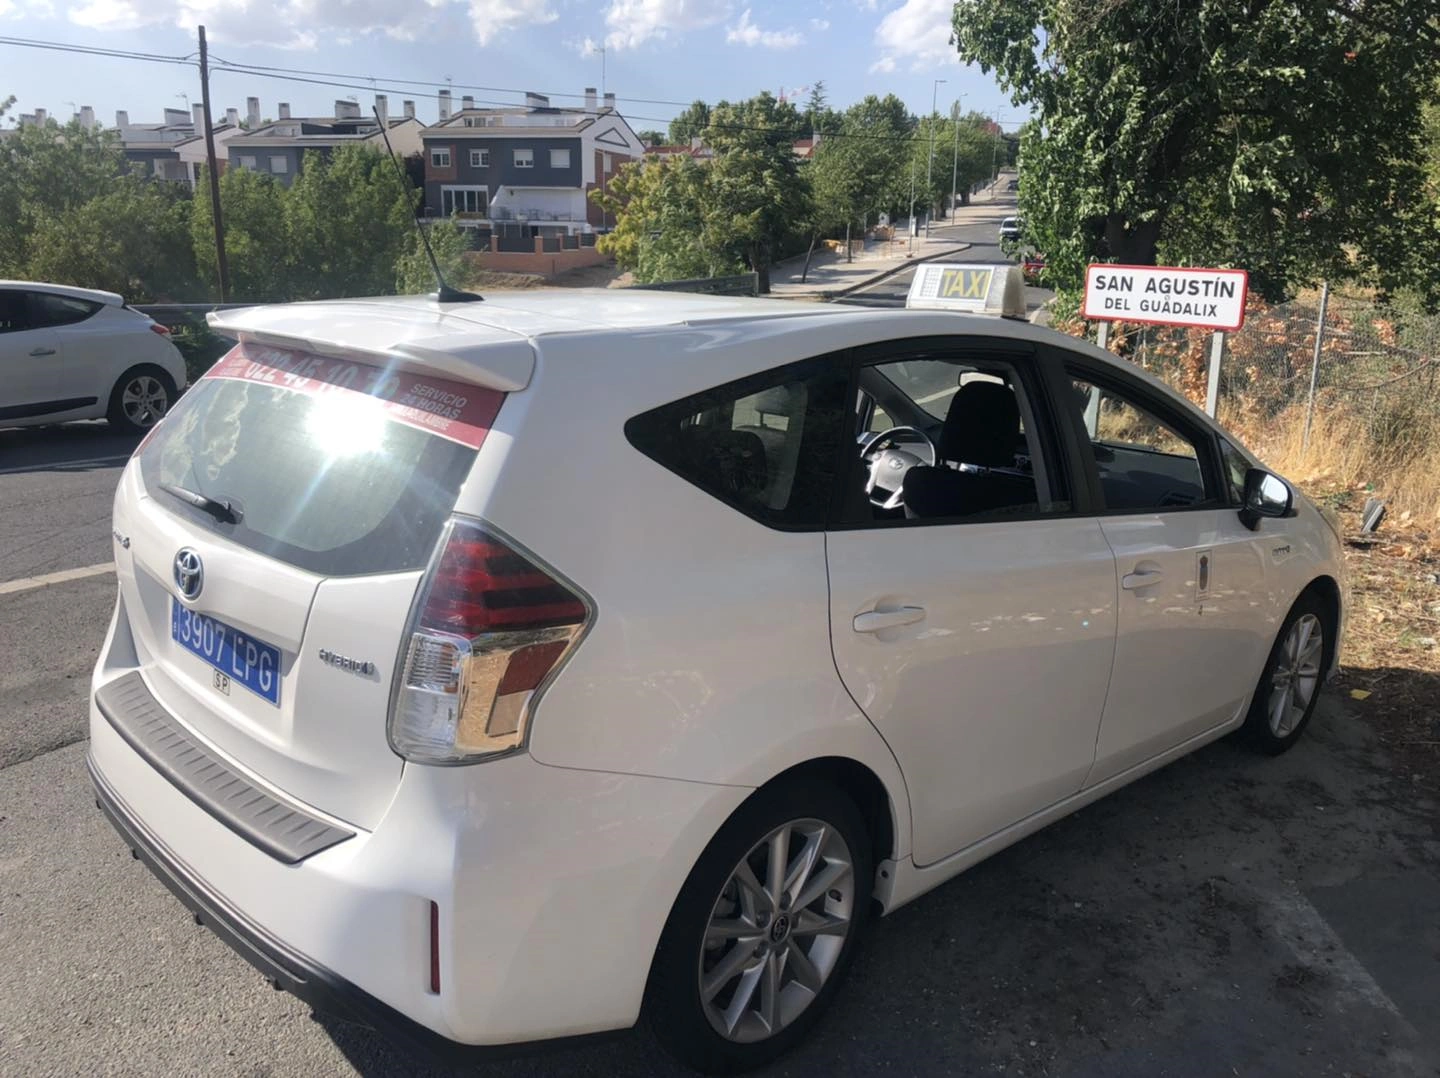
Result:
[
  {"x": 813, "y": 815},
  {"x": 1275, "y": 722},
  {"x": 140, "y": 399}
]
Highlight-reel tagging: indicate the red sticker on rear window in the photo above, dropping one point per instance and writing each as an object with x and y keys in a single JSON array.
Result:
[{"x": 462, "y": 413}]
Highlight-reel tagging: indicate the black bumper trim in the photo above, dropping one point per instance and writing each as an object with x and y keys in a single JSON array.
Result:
[
  {"x": 285, "y": 831},
  {"x": 282, "y": 966}
]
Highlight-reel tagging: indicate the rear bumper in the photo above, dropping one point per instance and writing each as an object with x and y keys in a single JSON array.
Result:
[
  {"x": 283, "y": 967},
  {"x": 552, "y": 887}
]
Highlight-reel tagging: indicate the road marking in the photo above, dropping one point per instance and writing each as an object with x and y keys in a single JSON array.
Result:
[
  {"x": 30, "y": 583},
  {"x": 61, "y": 465},
  {"x": 1316, "y": 945}
]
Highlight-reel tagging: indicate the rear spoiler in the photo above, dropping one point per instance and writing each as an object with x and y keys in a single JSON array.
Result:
[{"x": 475, "y": 356}]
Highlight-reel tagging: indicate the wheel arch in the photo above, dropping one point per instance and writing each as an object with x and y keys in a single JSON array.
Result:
[{"x": 1327, "y": 589}]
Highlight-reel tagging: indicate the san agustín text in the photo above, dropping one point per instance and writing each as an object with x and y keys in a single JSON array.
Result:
[{"x": 1183, "y": 297}]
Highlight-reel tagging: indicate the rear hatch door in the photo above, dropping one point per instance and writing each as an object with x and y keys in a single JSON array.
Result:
[{"x": 280, "y": 520}]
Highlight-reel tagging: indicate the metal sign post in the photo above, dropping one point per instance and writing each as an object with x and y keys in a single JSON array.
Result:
[{"x": 1212, "y": 382}]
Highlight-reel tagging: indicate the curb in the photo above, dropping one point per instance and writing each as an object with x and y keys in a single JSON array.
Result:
[{"x": 899, "y": 267}]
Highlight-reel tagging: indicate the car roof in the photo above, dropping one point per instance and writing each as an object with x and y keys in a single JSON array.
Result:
[
  {"x": 491, "y": 342},
  {"x": 95, "y": 295}
]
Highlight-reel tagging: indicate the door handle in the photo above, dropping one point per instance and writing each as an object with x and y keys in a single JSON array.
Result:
[
  {"x": 874, "y": 621},
  {"x": 1141, "y": 579},
  {"x": 42, "y": 351}
]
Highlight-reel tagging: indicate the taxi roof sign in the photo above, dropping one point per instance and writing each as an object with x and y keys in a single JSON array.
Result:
[{"x": 969, "y": 286}]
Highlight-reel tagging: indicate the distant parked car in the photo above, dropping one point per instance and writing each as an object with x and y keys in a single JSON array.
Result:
[
  {"x": 77, "y": 353},
  {"x": 1013, "y": 185},
  {"x": 1010, "y": 230},
  {"x": 1032, "y": 266}
]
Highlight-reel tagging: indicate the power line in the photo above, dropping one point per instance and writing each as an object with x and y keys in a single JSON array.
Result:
[{"x": 92, "y": 50}]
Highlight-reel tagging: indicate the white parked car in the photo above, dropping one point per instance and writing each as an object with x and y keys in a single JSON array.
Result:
[
  {"x": 77, "y": 353},
  {"x": 1010, "y": 230},
  {"x": 504, "y": 671}
]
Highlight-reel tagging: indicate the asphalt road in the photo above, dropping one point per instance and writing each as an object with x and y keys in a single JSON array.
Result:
[
  {"x": 979, "y": 227},
  {"x": 1231, "y": 914}
]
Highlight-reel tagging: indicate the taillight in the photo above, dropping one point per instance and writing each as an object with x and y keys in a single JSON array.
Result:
[
  {"x": 490, "y": 628},
  {"x": 156, "y": 327}
]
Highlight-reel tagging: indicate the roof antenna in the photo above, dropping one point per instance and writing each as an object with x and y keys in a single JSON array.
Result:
[{"x": 443, "y": 292}]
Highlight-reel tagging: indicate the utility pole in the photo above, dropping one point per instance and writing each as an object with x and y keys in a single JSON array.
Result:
[
  {"x": 930, "y": 164},
  {"x": 222, "y": 264},
  {"x": 994, "y": 150},
  {"x": 910, "y": 224}
]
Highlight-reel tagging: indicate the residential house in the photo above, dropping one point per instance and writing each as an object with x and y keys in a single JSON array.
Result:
[
  {"x": 173, "y": 149},
  {"x": 278, "y": 147},
  {"x": 696, "y": 150},
  {"x": 521, "y": 176}
]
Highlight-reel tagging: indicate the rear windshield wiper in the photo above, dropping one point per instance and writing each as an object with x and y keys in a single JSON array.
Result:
[{"x": 226, "y": 512}]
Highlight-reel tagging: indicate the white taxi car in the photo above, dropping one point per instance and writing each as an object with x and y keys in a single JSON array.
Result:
[
  {"x": 505, "y": 671},
  {"x": 78, "y": 353}
]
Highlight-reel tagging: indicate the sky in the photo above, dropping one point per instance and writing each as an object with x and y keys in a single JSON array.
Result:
[{"x": 656, "y": 55}]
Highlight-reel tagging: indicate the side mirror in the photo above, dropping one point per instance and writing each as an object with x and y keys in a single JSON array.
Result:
[{"x": 1266, "y": 495}]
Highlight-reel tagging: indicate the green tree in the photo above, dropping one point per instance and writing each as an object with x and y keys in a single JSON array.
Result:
[
  {"x": 349, "y": 220},
  {"x": 759, "y": 197},
  {"x": 857, "y": 169},
  {"x": 664, "y": 224},
  {"x": 690, "y": 123},
  {"x": 651, "y": 137},
  {"x": 263, "y": 262},
  {"x": 1278, "y": 137},
  {"x": 47, "y": 170},
  {"x": 819, "y": 116},
  {"x": 414, "y": 274},
  {"x": 135, "y": 240}
]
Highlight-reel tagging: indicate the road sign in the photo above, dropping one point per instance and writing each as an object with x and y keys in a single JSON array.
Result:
[
  {"x": 1166, "y": 295},
  {"x": 965, "y": 286}
]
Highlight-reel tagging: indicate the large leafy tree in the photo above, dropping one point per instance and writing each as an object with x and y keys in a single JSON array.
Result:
[
  {"x": 134, "y": 240},
  {"x": 263, "y": 261},
  {"x": 857, "y": 169},
  {"x": 690, "y": 123},
  {"x": 759, "y": 197},
  {"x": 665, "y": 227},
  {"x": 47, "y": 171},
  {"x": 1280, "y": 137}
]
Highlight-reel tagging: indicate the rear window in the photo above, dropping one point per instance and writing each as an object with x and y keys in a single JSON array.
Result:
[
  {"x": 336, "y": 467},
  {"x": 49, "y": 309}
]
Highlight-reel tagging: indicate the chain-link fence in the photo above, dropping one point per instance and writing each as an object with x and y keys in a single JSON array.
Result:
[{"x": 1362, "y": 408}]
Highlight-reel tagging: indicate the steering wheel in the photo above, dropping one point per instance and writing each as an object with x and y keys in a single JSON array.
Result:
[{"x": 889, "y": 464}]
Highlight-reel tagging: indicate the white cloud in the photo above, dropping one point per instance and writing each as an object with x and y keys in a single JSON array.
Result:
[
  {"x": 302, "y": 24},
  {"x": 917, "y": 34},
  {"x": 820, "y": 24},
  {"x": 748, "y": 34},
  {"x": 634, "y": 22}
]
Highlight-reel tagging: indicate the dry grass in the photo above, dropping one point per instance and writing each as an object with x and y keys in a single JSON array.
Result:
[{"x": 1391, "y": 452}]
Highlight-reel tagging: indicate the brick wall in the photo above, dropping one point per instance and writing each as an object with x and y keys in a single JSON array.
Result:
[{"x": 540, "y": 261}]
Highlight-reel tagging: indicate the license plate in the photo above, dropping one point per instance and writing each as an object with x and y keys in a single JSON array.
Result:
[{"x": 237, "y": 657}]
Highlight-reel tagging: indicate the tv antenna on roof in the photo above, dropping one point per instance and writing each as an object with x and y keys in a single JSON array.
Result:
[{"x": 443, "y": 292}]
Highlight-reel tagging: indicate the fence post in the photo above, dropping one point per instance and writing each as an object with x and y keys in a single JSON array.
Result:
[
  {"x": 1315, "y": 365},
  {"x": 1212, "y": 384}
]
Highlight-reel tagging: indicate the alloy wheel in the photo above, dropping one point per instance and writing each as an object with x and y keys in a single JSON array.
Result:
[
  {"x": 1296, "y": 676},
  {"x": 777, "y": 930},
  {"x": 144, "y": 400}
]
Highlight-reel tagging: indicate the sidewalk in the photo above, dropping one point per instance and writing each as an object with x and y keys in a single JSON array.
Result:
[{"x": 831, "y": 276}]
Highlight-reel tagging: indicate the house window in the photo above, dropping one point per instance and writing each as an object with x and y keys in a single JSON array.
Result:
[
  {"x": 606, "y": 162},
  {"x": 440, "y": 158},
  {"x": 247, "y": 161},
  {"x": 524, "y": 158},
  {"x": 279, "y": 164},
  {"x": 559, "y": 158},
  {"x": 463, "y": 200},
  {"x": 479, "y": 158},
  {"x": 159, "y": 167}
]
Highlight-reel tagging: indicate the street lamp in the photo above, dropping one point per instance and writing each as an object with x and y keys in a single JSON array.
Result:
[{"x": 930, "y": 164}]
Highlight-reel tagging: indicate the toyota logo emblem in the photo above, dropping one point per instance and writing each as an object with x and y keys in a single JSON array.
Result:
[{"x": 189, "y": 573}]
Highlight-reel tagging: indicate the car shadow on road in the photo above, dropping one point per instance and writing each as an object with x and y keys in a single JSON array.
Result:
[
  {"x": 66, "y": 447},
  {"x": 1168, "y": 928}
]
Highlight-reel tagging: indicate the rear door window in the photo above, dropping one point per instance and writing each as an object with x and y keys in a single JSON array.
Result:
[
  {"x": 336, "y": 467},
  {"x": 48, "y": 309}
]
